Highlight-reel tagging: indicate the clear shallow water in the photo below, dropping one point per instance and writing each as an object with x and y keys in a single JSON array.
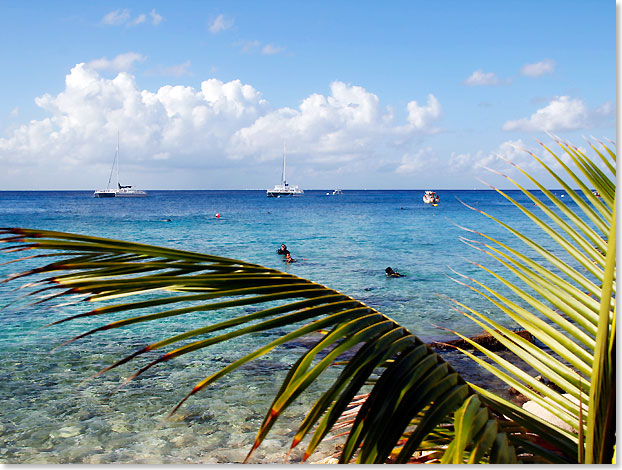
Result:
[{"x": 344, "y": 242}]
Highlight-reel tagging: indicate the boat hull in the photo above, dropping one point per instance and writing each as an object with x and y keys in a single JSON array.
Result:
[
  {"x": 271, "y": 193},
  {"x": 284, "y": 190},
  {"x": 132, "y": 194},
  {"x": 104, "y": 194},
  {"x": 119, "y": 193}
]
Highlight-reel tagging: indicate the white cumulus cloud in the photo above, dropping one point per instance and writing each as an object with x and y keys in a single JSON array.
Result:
[
  {"x": 474, "y": 163},
  {"x": 561, "y": 114},
  {"x": 121, "y": 63},
  {"x": 248, "y": 46},
  {"x": 116, "y": 17},
  {"x": 156, "y": 18},
  {"x": 124, "y": 18},
  {"x": 138, "y": 20},
  {"x": 480, "y": 78},
  {"x": 224, "y": 125},
  {"x": 220, "y": 23},
  {"x": 412, "y": 163},
  {"x": 271, "y": 49},
  {"x": 348, "y": 124},
  {"x": 256, "y": 46},
  {"x": 421, "y": 117},
  {"x": 544, "y": 67},
  {"x": 515, "y": 151}
]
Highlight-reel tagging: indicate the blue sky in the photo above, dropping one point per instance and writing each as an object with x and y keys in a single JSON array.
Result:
[{"x": 400, "y": 95}]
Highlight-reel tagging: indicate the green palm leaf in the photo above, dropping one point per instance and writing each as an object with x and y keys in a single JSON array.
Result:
[
  {"x": 180, "y": 282},
  {"x": 572, "y": 308}
]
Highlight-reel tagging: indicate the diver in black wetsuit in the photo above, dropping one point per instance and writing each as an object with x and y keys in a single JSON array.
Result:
[
  {"x": 283, "y": 250},
  {"x": 289, "y": 259},
  {"x": 390, "y": 273}
]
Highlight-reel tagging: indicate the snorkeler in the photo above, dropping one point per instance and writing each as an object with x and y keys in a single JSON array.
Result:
[
  {"x": 390, "y": 273},
  {"x": 288, "y": 258},
  {"x": 283, "y": 250}
]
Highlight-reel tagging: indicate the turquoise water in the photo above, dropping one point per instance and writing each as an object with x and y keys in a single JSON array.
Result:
[{"x": 344, "y": 242}]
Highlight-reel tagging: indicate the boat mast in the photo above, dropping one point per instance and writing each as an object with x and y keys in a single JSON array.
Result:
[
  {"x": 114, "y": 162},
  {"x": 283, "y": 173},
  {"x": 117, "y": 160}
]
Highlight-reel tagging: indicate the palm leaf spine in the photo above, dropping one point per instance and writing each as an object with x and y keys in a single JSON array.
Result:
[{"x": 600, "y": 424}]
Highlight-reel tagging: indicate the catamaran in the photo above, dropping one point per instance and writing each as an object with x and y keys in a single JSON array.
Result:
[
  {"x": 284, "y": 189},
  {"x": 120, "y": 190}
]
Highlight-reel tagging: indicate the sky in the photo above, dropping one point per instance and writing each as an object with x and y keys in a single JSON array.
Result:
[{"x": 407, "y": 94}]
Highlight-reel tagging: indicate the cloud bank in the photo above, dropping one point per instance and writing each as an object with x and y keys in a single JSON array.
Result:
[
  {"x": 220, "y": 124},
  {"x": 475, "y": 163},
  {"x": 561, "y": 114}
]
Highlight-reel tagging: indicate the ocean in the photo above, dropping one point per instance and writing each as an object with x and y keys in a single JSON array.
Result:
[{"x": 344, "y": 242}]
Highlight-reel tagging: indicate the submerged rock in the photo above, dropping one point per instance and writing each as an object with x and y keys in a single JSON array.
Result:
[
  {"x": 67, "y": 431},
  {"x": 484, "y": 339}
]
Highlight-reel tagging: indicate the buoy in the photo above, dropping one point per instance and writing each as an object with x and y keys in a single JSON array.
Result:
[{"x": 217, "y": 215}]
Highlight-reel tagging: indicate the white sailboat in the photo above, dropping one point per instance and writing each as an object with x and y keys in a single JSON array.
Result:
[
  {"x": 284, "y": 189},
  {"x": 119, "y": 191}
]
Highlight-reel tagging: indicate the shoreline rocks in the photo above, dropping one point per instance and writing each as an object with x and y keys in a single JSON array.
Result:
[{"x": 484, "y": 339}]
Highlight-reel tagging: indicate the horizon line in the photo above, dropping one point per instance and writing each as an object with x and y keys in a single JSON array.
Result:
[{"x": 316, "y": 189}]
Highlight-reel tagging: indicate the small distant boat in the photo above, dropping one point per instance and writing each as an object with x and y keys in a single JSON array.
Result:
[
  {"x": 336, "y": 192},
  {"x": 430, "y": 197},
  {"x": 119, "y": 191},
  {"x": 284, "y": 189}
]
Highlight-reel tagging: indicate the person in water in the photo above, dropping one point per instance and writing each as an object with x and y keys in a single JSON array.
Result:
[
  {"x": 283, "y": 250},
  {"x": 288, "y": 258},
  {"x": 390, "y": 273}
]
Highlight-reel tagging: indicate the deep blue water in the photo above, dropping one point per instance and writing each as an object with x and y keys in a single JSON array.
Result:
[{"x": 344, "y": 242}]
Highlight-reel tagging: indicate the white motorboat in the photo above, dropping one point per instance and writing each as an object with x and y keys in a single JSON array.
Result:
[
  {"x": 430, "y": 197},
  {"x": 119, "y": 191},
  {"x": 284, "y": 189}
]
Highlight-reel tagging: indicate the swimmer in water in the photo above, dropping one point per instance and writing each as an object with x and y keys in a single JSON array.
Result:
[
  {"x": 390, "y": 273},
  {"x": 288, "y": 258},
  {"x": 283, "y": 250}
]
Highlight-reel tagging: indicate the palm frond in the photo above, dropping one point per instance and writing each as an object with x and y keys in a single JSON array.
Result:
[
  {"x": 414, "y": 387},
  {"x": 571, "y": 309}
]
